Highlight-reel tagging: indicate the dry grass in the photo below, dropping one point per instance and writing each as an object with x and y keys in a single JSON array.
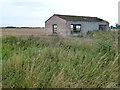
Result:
[
  {"x": 38, "y": 34},
  {"x": 23, "y": 32},
  {"x": 116, "y": 30}
]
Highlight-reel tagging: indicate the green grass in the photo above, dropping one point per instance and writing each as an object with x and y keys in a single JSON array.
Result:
[{"x": 60, "y": 62}]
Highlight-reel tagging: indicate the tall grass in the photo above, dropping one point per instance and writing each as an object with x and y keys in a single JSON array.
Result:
[{"x": 60, "y": 62}]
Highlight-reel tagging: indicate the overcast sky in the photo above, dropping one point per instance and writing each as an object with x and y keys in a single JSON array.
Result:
[{"x": 36, "y": 12}]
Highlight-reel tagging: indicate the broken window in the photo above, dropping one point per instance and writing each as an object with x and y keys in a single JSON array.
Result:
[
  {"x": 75, "y": 28},
  {"x": 71, "y": 26},
  {"x": 55, "y": 28},
  {"x": 102, "y": 27}
]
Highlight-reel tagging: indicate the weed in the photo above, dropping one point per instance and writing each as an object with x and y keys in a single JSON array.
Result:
[{"x": 60, "y": 62}]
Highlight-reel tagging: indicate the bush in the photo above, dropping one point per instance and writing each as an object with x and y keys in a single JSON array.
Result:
[{"x": 10, "y": 40}]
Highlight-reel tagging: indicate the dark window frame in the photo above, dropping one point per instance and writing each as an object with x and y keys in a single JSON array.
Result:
[
  {"x": 75, "y": 28},
  {"x": 54, "y": 28}
]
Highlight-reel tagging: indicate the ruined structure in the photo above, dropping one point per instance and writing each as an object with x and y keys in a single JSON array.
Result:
[{"x": 68, "y": 25}]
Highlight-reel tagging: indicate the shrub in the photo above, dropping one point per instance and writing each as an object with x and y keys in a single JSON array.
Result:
[{"x": 10, "y": 40}]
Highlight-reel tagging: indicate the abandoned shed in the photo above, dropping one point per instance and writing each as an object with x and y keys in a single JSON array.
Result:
[{"x": 68, "y": 25}]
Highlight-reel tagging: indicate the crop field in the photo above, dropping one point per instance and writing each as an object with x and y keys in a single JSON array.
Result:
[
  {"x": 30, "y": 59},
  {"x": 23, "y": 32}
]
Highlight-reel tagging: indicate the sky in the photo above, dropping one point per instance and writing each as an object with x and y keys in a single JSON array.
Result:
[
  {"x": 34, "y": 13},
  {"x": 119, "y": 13}
]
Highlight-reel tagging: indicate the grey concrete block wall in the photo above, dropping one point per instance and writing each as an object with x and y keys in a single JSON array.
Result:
[{"x": 86, "y": 26}]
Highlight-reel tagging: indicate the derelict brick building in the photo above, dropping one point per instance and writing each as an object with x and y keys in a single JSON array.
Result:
[{"x": 68, "y": 25}]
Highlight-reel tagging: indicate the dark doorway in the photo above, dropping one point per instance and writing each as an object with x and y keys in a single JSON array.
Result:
[{"x": 102, "y": 27}]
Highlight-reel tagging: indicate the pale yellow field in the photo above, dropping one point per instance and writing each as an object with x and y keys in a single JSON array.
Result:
[
  {"x": 38, "y": 34},
  {"x": 23, "y": 32},
  {"x": 116, "y": 30}
]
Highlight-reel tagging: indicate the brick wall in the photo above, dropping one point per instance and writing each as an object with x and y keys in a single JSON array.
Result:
[{"x": 61, "y": 26}]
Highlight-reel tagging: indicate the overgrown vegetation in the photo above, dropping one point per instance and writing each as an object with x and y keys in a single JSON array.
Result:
[{"x": 60, "y": 62}]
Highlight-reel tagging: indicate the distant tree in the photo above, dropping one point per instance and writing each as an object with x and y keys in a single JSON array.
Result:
[
  {"x": 10, "y": 27},
  {"x": 117, "y": 26},
  {"x": 111, "y": 27}
]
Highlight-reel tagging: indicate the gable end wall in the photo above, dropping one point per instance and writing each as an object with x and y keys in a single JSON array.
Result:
[{"x": 61, "y": 26}]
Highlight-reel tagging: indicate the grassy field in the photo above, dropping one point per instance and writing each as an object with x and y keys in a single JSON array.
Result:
[
  {"x": 56, "y": 62},
  {"x": 23, "y": 32}
]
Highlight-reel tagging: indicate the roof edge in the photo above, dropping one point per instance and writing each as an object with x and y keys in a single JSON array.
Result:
[{"x": 76, "y": 16}]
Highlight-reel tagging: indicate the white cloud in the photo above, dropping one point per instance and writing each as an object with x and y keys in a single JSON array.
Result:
[
  {"x": 28, "y": 1},
  {"x": 27, "y": 11}
]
